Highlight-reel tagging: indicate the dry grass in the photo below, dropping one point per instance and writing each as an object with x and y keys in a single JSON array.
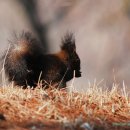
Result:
[{"x": 95, "y": 108}]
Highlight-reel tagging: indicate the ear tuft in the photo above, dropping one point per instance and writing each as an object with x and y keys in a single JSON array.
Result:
[{"x": 68, "y": 42}]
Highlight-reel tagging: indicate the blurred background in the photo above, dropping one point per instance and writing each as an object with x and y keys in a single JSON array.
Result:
[{"x": 101, "y": 29}]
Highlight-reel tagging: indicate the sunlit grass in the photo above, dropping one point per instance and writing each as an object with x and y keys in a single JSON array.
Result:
[{"x": 95, "y": 105}]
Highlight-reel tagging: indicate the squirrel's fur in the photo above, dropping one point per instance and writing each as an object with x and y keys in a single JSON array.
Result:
[{"x": 26, "y": 63}]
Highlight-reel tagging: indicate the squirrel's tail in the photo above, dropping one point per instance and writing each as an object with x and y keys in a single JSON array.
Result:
[
  {"x": 22, "y": 48},
  {"x": 24, "y": 44}
]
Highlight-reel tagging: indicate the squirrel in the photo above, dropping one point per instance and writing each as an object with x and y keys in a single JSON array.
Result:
[{"x": 26, "y": 64}]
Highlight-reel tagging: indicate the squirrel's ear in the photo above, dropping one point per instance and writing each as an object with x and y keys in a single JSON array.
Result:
[{"x": 68, "y": 42}]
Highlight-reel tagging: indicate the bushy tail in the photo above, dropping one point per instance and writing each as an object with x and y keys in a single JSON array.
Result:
[
  {"x": 22, "y": 48},
  {"x": 24, "y": 44}
]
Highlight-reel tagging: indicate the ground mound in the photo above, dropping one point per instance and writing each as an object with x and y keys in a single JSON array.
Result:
[{"x": 53, "y": 109}]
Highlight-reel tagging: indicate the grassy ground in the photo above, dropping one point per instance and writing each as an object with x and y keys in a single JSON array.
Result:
[{"x": 52, "y": 109}]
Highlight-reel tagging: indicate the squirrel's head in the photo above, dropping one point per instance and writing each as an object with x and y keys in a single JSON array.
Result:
[{"x": 68, "y": 45}]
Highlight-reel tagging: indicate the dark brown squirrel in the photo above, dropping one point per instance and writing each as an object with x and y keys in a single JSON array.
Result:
[{"x": 26, "y": 64}]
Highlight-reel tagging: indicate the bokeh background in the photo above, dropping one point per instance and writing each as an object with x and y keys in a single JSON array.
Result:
[{"x": 101, "y": 28}]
